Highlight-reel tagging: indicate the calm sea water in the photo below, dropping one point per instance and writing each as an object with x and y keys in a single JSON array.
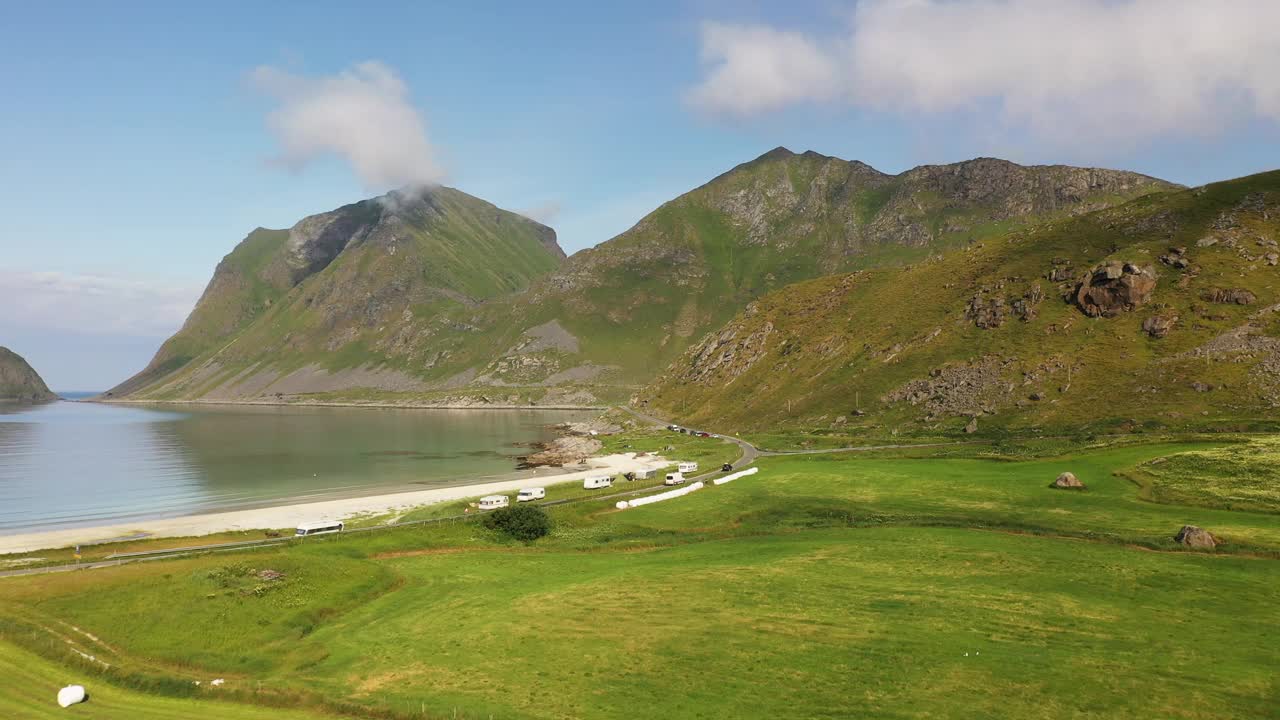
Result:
[{"x": 68, "y": 463}]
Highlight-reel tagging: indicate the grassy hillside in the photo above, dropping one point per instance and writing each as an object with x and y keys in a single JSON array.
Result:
[
  {"x": 450, "y": 320},
  {"x": 362, "y": 287},
  {"x": 19, "y": 382},
  {"x": 997, "y": 337},
  {"x": 824, "y": 586},
  {"x": 32, "y": 683}
]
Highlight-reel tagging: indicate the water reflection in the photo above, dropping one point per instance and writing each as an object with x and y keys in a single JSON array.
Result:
[{"x": 77, "y": 463}]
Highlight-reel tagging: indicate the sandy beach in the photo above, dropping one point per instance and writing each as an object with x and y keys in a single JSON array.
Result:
[{"x": 289, "y": 515}]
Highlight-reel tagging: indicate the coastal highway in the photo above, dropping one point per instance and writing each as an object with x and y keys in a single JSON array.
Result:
[{"x": 749, "y": 452}]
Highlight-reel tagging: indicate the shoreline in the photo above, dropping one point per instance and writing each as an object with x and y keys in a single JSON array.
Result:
[
  {"x": 410, "y": 405},
  {"x": 289, "y": 514}
]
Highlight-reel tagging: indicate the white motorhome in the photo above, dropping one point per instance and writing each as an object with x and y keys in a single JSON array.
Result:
[
  {"x": 493, "y": 502},
  {"x": 674, "y": 478},
  {"x": 597, "y": 481},
  {"x": 646, "y": 474},
  {"x": 320, "y": 528},
  {"x": 527, "y": 494},
  {"x": 687, "y": 467}
]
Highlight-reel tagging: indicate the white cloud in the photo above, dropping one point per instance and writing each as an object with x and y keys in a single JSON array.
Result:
[
  {"x": 1065, "y": 70},
  {"x": 545, "y": 213},
  {"x": 757, "y": 69},
  {"x": 93, "y": 304},
  {"x": 362, "y": 115}
]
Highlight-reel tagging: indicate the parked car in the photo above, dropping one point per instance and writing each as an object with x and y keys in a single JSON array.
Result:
[
  {"x": 527, "y": 494},
  {"x": 674, "y": 478},
  {"x": 704, "y": 434},
  {"x": 726, "y": 467},
  {"x": 493, "y": 502}
]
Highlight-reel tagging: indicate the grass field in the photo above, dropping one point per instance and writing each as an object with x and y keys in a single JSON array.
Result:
[{"x": 825, "y": 586}]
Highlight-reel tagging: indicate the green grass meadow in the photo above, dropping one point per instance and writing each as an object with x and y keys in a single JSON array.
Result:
[{"x": 826, "y": 586}]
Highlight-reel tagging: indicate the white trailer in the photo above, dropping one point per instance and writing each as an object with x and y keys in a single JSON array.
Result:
[
  {"x": 527, "y": 494},
  {"x": 597, "y": 481},
  {"x": 493, "y": 502},
  {"x": 319, "y": 528},
  {"x": 687, "y": 467},
  {"x": 674, "y": 478}
]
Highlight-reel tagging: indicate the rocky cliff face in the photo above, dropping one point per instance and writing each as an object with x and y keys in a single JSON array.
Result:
[{"x": 19, "y": 382}]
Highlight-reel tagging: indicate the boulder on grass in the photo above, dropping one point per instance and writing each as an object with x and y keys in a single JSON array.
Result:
[
  {"x": 1067, "y": 481},
  {"x": 1195, "y": 537}
]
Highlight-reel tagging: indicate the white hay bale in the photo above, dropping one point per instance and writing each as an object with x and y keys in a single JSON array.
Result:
[
  {"x": 621, "y": 505},
  {"x": 70, "y": 695}
]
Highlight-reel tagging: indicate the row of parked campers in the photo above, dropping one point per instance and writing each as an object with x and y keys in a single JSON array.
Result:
[{"x": 493, "y": 502}]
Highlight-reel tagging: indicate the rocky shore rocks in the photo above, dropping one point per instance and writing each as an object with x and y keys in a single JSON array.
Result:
[{"x": 567, "y": 450}]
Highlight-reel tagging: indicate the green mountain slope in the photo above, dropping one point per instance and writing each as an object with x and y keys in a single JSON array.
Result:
[
  {"x": 1161, "y": 312},
  {"x": 344, "y": 290},
  {"x": 440, "y": 326},
  {"x": 19, "y": 382}
]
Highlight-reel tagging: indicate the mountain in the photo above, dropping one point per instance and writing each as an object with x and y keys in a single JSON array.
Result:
[
  {"x": 329, "y": 302},
  {"x": 1163, "y": 312},
  {"x": 19, "y": 382},
  {"x": 607, "y": 320}
]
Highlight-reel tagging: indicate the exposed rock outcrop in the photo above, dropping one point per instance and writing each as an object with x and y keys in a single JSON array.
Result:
[
  {"x": 1115, "y": 287},
  {"x": 1195, "y": 537},
  {"x": 1229, "y": 296}
]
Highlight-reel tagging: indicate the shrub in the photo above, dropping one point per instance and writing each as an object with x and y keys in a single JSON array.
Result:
[{"x": 522, "y": 522}]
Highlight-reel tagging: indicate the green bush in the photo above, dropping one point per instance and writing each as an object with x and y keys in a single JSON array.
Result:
[{"x": 522, "y": 522}]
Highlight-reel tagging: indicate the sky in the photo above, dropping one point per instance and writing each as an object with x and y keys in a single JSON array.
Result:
[{"x": 140, "y": 141}]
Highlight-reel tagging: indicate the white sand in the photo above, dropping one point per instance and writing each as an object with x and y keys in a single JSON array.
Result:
[{"x": 286, "y": 516}]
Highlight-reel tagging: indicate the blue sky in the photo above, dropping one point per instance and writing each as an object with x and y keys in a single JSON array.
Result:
[{"x": 135, "y": 148}]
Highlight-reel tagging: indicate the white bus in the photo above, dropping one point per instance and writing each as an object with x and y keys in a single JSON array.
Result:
[
  {"x": 687, "y": 467},
  {"x": 597, "y": 481},
  {"x": 527, "y": 494},
  {"x": 493, "y": 502},
  {"x": 320, "y": 528}
]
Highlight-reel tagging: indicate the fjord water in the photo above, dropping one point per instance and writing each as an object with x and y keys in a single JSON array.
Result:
[{"x": 70, "y": 464}]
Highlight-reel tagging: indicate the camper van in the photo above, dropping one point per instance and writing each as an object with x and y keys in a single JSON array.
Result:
[
  {"x": 674, "y": 478},
  {"x": 645, "y": 474},
  {"x": 320, "y": 528},
  {"x": 687, "y": 467},
  {"x": 598, "y": 481},
  {"x": 527, "y": 494},
  {"x": 493, "y": 502}
]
